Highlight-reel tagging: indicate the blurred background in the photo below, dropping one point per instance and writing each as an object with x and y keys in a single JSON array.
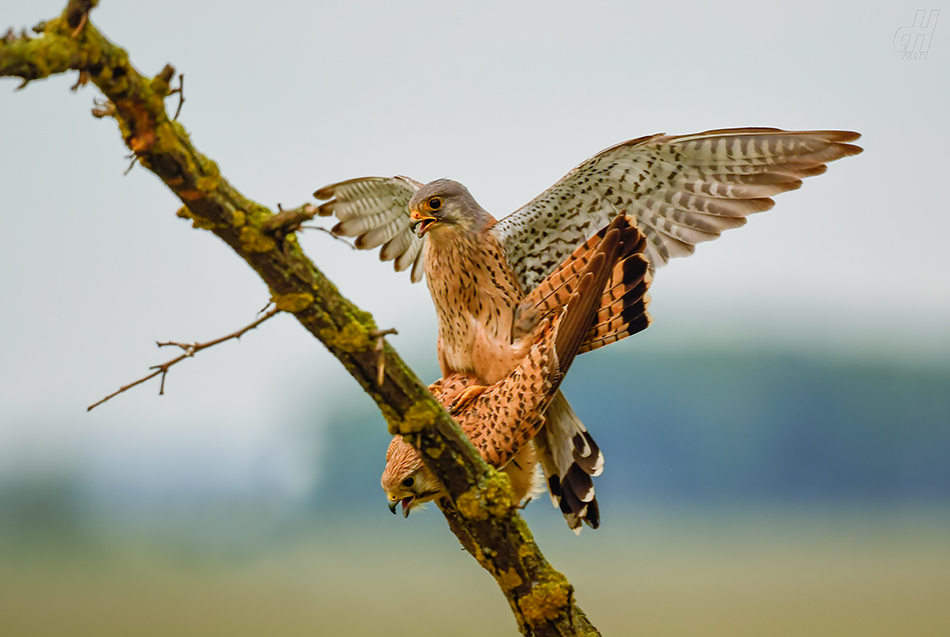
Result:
[{"x": 777, "y": 443}]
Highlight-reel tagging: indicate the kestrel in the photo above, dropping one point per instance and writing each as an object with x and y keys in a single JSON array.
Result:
[
  {"x": 501, "y": 420},
  {"x": 679, "y": 191}
]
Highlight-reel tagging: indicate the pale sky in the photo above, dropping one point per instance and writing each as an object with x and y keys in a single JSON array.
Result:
[{"x": 504, "y": 97}]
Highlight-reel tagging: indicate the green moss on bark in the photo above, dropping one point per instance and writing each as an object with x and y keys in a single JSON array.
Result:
[
  {"x": 293, "y": 302},
  {"x": 547, "y": 601}
]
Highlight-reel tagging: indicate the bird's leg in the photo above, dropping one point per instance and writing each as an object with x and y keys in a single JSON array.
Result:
[{"x": 466, "y": 398}]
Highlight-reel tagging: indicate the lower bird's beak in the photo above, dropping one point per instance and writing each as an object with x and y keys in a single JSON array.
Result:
[
  {"x": 406, "y": 504},
  {"x": 420, "y": 222}
]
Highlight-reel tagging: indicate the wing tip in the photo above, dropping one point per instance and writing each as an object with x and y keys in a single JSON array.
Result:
[
  {"x": 326, "y": 209},
  {"x": 840, "y": 136},
  {"x": 849, "y": 150},
  {"x": 418, "y": 269}
]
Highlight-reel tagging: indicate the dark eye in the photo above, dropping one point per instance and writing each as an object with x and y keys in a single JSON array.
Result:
[
  {"x": 435, "y": 203},
  {"x": 408, "y": 482}
]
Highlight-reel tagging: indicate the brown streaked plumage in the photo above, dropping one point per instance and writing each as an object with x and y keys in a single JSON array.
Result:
[
  {"x": 503, "y": 419},
  {"x": 677, "y": 190}
]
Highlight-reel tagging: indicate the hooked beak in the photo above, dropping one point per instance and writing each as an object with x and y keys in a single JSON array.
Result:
[
  {"x": 420, "y": 222},
  {"x": 406, "y": 503}
]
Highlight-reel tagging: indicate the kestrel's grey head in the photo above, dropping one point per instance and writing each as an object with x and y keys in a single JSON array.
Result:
[{"x": 444, "y": 206}]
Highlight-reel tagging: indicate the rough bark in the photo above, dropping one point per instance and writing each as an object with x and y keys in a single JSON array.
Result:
[{"x": 481, "y": 509}]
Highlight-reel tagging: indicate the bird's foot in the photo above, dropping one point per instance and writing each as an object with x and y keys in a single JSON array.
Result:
[{"x": 466, "y": 398}]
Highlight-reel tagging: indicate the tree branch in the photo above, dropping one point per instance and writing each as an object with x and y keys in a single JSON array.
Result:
[{"x": 482, "y": 511}]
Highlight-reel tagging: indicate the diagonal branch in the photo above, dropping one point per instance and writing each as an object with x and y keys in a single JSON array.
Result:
[{"x": 482, "y": 510}]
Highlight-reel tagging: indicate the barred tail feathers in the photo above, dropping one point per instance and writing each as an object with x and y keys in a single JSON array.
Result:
[{"x": 569, "y": 458}]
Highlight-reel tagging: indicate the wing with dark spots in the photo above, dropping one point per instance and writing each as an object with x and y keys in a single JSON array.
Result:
[{"x": 679, "y": 191}]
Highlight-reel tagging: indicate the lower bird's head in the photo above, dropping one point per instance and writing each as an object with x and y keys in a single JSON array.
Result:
[
  {"x": 444, "y": 206},
  {"x": 406, "y": 480}
]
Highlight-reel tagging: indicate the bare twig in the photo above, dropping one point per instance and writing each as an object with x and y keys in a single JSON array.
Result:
[
  {"x": 134, "y": 159},
  {"x": 189, "y": 349},
  {"x": 330, "y": 232},
  {"x": 380, "y": 349},
  {"x": 181, "y": 95},
  {"x": 81, "y": 81},
  {"x": 286, "y": 222},
  {"x": 264, "y": 309}
]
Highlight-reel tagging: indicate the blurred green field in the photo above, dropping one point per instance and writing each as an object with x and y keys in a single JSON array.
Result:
[
  {"x": 728, "y": 571},
  {"x": 759, "y": 495}
]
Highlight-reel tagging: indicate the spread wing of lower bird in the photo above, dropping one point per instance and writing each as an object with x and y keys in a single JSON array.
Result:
[{"x": 678, "y": 190}]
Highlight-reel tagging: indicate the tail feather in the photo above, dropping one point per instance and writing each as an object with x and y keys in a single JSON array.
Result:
[
  {"x": 569, "y": 457},
  {"x": 587, "y": 454}
]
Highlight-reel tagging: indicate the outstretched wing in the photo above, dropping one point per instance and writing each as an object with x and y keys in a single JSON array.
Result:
[
  {"x": 679, "y": 191},
  {"x": 375, "y": 210}
]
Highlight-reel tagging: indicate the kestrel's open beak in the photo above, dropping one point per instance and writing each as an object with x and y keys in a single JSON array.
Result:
[
  {"x": 406, "y": 504},
  {"x": 420, "y": 222}
]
